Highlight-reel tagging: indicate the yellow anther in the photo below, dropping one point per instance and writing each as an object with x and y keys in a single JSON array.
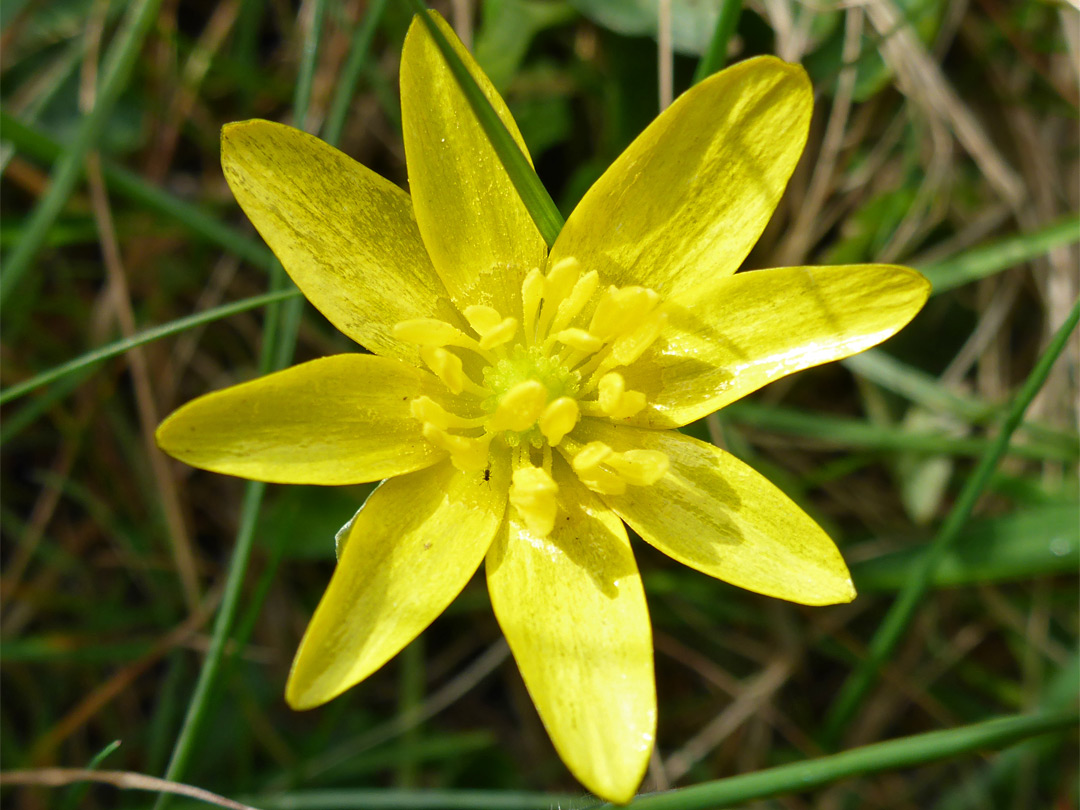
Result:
[
  {"x": 466, "y": 453},
  {"x": 493, "y": 328},
  {"x": 446, "y": 366},
  {"x": 640, "y": 468},
  {"x": 629, "y": 346},
  {"x": 615, "y": 400},
  {"x": 428, "y": 332},
  {"x": 561, "y": 280},
  {"x": 532, "y": 290},
  {"x": 603, "y": 481},
  {"x": 579, "y": 339},
  {"x": 520, "y": 407},
  {"x": 611, "y": 388},
  {"x": 590, "y": 457},
  {"x": 532, "y": 494},
  {"x": 500, "y": 334},
  {"x": 621, "y": 309},
  {"x": 558, "y": 419},
  {"x": 576, "y": 301},
  {"x": 428, "y": 410},
  {"x": 482, "y": 319}
]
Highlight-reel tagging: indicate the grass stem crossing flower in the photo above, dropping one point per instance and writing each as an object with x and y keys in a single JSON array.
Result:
[{"x": 520, "y": 404}]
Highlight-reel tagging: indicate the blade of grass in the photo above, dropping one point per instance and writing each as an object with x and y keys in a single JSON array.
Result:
[
  {"x": 984, "y": 261},
  {"x": 35, "y": 143},
  {"x": 146, "y": 336},
  {"x": 715, "y": 57},
  {"x": 892, "y": 629},
  {"x": 924, "y": 389},
  {"x": 350, "y": 74},
  {"x": 905, "y": 752},
  {"x": 118, "y": 65},
  {"x": 532, "y": 192},
  {"x": 855, "y": 433},
  {"x": 73, "y": 798}
]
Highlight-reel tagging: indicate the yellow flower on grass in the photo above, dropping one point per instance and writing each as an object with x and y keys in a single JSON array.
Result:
[{"x": 521, "y": 403}]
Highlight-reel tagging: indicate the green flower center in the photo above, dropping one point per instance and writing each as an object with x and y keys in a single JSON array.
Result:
[{"x": 524, "y": 386}]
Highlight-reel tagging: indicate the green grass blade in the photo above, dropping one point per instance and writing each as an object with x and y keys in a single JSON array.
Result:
[
  {"x": 147, "y": 336},
  {"x": 892, "y": 629},
  {"x": 905, "y": 752},
  {"x": 1035, "y": 542},
  {"x": 35, "y": 143},
  {"x": 532, "y": 192},
  {"x": 924, "y": 389},
  {"x": 715, "y": 57},
  {"x": 118, "y": 65},
  {"x": 350, "y": 74},
  {"x": 1001, "y": 255},
  {"x": 854, "y": 433}
]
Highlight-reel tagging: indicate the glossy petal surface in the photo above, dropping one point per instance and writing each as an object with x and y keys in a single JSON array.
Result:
[
  {"x": 346, "y": 236},
  {"x": 478, "y": 233},
  {"x": 714, "y": 513},
  {"x": 413, "y": 547},
  {"x": 339, "y": 420},
  {"x": 756, "y": 327},
  {"x": 572, "y": 608},
  {"x": 683, "y": 205}
]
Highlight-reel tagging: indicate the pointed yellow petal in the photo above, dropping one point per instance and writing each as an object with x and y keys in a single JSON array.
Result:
[
  {"x": 345, "y": 235},
  {"x": 339, "y": 420},
  {"x": 412, "y": 548},
  {"x": 573, "y": 610},
  {"x": 478, "y": 233},
  {"x": 683, "y": 205},
  {"x": 715, "y": 514},
  {"x": 759, "y": 326}
]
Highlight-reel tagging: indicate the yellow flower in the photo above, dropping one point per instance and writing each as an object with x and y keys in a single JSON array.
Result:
[{"x": 521, "y": 404}]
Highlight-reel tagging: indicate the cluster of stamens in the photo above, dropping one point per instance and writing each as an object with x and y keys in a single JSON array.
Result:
[{"x": 526, "y": 383}]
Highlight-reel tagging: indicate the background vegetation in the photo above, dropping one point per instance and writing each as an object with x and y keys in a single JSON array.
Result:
[{"x": 945, "y": 137}]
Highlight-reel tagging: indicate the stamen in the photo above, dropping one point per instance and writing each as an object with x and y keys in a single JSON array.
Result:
[
  {"x": 520, "y": 407},
  {"x": 433, "y": 332},
  {"x": 427, "y": 410},
  {"x": 447, "y": 367},
  {"x": 576, "y": 301},
  {"x": 532, "y": 291},
  {"x": 561, "y": 279},
  {"x": 621, "y": 308},
  {"x": 641, "y": 468},
  {"x": 615, "y": 400},
  {"x": 466, "y": 453},
  {"x": 558, "y": 419},
  {"x": 532, "y": 494},
  {"x": 603, "y": 470},
  {"x": 579, "y": 339},
  {"x": 494, "y": 330},
  {"x": 590, "y": 457},
  {"x": 631, "y": 345},
  {"x": 429, "y": 332}
]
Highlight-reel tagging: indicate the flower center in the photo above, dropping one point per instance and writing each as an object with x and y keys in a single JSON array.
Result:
[{"x": 523, "y": 384}]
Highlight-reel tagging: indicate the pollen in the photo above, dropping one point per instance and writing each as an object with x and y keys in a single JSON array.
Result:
[{"x": 519, "y": 383}]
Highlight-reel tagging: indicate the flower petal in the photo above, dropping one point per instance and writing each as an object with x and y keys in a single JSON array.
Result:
[
  {"x": 683, "y": 205},
  {"x": 716, "y": 514},
  {"x": 345, "y": 235},
  {"x": 412, "y": 548},
  {"x": 756, "y": 327},
  {"x": 339, "y": 420},
  {"x": 573, "y": 610},
  {"x": 478, "y": 232}
]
